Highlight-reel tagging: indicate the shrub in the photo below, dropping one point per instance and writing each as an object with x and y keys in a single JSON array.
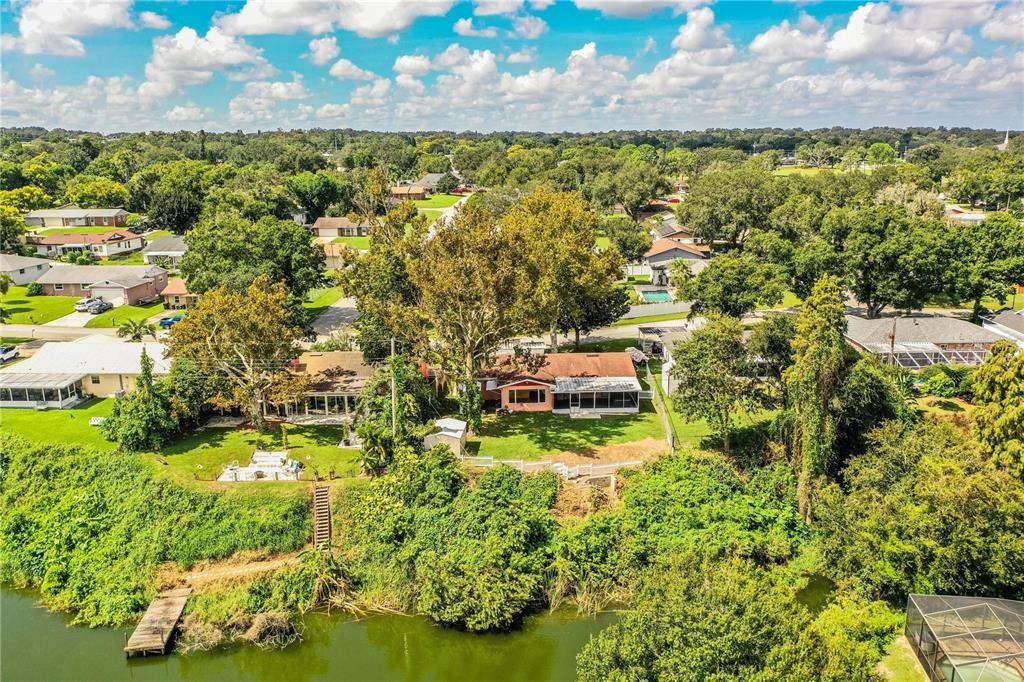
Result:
[{"x": 34, "y": 289}]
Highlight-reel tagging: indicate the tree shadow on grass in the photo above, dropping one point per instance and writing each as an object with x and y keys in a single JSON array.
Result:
[{"x": 552, "y": 433}]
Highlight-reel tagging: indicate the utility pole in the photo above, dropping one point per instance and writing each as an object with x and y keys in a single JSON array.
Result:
[
  {"x": 394, "y": 394},
  {"x": 892, "y": 344}
]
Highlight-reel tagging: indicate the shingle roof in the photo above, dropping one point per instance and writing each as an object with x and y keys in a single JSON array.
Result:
[
  {"x": 335, "y": 222},
  {"x": 429, "y": 179},
  {"x": 565, "y": 366},
  {"x": 10, "y": 261},
  {"x": 89, "y": 274},
  {"x": 73, "y": 211},
  {"x": 57, "y": 238},
  {"x": 937, "y": 329},
  {"x": 175, "y": 287},
  {"x": 168, "y": 244},
  {"x": 1011, "y": 319},
  {"x": 341, "y": 371},
  {"x": 665, "y": 245}
]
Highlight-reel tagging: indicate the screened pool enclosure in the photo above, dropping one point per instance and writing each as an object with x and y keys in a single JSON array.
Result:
[{"x": 967, "y": 639}]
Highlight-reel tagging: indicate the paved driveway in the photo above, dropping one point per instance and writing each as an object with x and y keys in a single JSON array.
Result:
[
  {"x": 339, "y": 313},
  {"x": 71, "y": 320}
]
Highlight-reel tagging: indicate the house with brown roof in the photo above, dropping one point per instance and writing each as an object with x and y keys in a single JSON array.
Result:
[
  {"x": 565, "y": 383},
  {"x": 100, "y": 245},
  {"x": 341, "y": 226},
  {"x": 72, "y": 215},
  {"x": 335, "y": 380},
  {"x": 664, "y": 251},
  {"x": 177, "y": 296},
  {"x": 117, "y": 284},
  {"x": 408, "y": 192}
]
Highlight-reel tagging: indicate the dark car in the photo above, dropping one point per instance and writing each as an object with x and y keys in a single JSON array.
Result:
[
  {"x": 168, "y": 322},
  {"x": 99, "y": 307}
]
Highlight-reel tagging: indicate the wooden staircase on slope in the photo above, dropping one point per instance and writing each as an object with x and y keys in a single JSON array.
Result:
[{"x": 321, "y": 517}]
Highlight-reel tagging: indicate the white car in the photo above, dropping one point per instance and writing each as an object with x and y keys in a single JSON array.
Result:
[
  {"x": 83, "y": 305},
  {"x": 8, "y": 353}
]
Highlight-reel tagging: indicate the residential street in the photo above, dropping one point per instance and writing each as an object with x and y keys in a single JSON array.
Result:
[{"x": 51, "y": 333}]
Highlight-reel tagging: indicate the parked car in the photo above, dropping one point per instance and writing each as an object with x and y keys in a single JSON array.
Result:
[
  {"x": 8, "y": 353},
  {"x": 147, "y": 300},
  {"x": 99, "y": 307},
  {"x": 83, "y": 305},
  {"x": 168, "y": 322}
]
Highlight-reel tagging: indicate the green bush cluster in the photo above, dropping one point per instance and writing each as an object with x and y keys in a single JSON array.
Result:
[
  {"x": 470, "y": 556},
  {"x": 948, "y": 381},
  {"x": 89, "y": 529}
]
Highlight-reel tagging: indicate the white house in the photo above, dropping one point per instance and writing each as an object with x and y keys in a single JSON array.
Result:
[
  {"x": 167, "y": 249},
  {"x": 102, "y": 245},
  {"x": 23, "y": 269}
]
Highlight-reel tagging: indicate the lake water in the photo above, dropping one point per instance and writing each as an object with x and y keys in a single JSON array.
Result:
[{"x": 36, "y": 644}]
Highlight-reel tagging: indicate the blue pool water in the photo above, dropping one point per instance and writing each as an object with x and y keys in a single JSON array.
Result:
[{"x": 656, "y": 296}]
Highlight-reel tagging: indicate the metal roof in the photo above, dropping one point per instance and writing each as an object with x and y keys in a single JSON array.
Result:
[
  {"x": 27, "y": 380},
  {"x": 598, "y": 384}
]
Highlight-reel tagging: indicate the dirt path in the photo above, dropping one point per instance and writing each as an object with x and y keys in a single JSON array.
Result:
[
  {"x": 233, "y": 567},
  {"x": 645, "y": 449}
]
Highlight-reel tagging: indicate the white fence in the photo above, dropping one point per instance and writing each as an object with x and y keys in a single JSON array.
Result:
[
  {"x": 636, "y": 270},
  {"x": 564, "y": 470},
  {"x": 645, "y": 309}
]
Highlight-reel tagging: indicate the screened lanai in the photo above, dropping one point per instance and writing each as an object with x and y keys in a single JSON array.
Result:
[
  {"x": 52, "y": 391},
  {"x": 967, "y": 639}
]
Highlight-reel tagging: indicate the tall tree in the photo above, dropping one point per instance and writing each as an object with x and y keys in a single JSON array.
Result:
[
  {"x": 727, "y": 204},
  {"x": 989, "y": 260},
  {"x": 12, "y": 226},
  {"x": 142, "y": 419},
  {"x": 812, "y": 382},
  {"x": 96, "y": 191},
  {"x": 713, "y": 376},
  {"x": 633, "y": 186},
  {"x": 242, "y": 342},
  {"x": 315, "y": 192},
  {"x": 472, "y": 295},
  {"x": 176, "y": 197},
  {"x": 771, "y": 351},
  {"x": 999, "y": 415},
  {"x": 629, "y": 237},
  {"x": 730, "y": 285}
]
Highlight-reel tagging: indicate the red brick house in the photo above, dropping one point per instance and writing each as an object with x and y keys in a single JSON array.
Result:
[
  {"x": 72, "y": 215},
  {"x": 101, "y": 245},
  {"x": 117, "y": 284},
  {"x": 565, "y": 383}
]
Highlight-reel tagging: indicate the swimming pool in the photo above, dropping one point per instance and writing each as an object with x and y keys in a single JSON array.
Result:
[{"x": 657, "y": 296}]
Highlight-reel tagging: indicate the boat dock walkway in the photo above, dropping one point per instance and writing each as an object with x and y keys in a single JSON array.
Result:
[{"x": 153, "y": 633}]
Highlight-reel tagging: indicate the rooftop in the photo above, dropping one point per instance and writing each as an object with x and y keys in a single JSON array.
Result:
[
  {"x": 126, "y": 275},
  {"x": 10, "y": 261},
  {"x": 74, "y": 211},
  {"x": 175, "y": 287},
  {"x": 665, "y": 245},
  {"x": 937, "y": 329},
  {"x": 93, "y": 355},
  {"x": 551, "y": 367},
  {"x": 336, "y": 222},
  {"x": 1011, "y": 319},
  {"x": 334, "y": 371},
  {"x": 167, "y": 244},
  {"x": 72, "y": 238}
]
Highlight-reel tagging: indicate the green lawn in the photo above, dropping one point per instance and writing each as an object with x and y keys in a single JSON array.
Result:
[
  {"x": 203, "y": 453},
  {"x": 96, "y": 229},
  {"x": 431, "y": 213},
  {"x": 115, "y": 317},
  {"x": 606, "y": 346},
  {"x": 900, "y": 664},
  {"x": 789, "y": 300},
  {"x": 438, "y": 201},
  {"x": 1014, "y": 302},
  {"x": 318, "y": 300},
  {"x": 133, "y": 258},
  {"x": 358, "y": 243},
  {"x": 800, "y": 170},
  {"x": 156, "y": 234},
  {"x": 22, "y": 309},
  {"x": 647, "y": 319},
  {"x": 13, "y": 340},
  {"x": 536, "y": 435},
  {"x": 602, "y": 242}
]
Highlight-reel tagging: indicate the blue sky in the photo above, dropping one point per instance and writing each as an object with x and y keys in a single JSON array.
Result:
[{"x": 510, "y": 64}]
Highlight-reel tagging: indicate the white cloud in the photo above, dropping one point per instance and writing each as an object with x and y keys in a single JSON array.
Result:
[
  {"x": 523, "y": 56},
  {"x": 787, "y": 42},
  {"x": 190, "y": 111},
  {"x": 334, "y": 110},
  {"x": 875, "y": 31},
  {"x": 40, "y": 72},
  {"x": 323, "y": 50},
  {"x": 1006, "y": 24},
  {"x": 529, "y": 27},
  {"x": 154, "y": 20},
  {"x": 186, "y": 59},
  {"x": 374, "y": 94},
  {"x": 258, "y": 100},
  {"x": 650, "y": 45},
  {"x": 54, "y": 26},
  {"x": 343, "y": 69},
  {"x": 485, "y": 8},
  {"x": 539, "y": 5},
  {"x": 368, "y": 18},
  {"x": 412, "y": 64},
  {"x": 464, "y": 27},
  {"x": 410, "y": 83},
  {"x": 699, "y": 32},
  {"x": 638, "y": 8},
  {"x": 114, "y": 104}
]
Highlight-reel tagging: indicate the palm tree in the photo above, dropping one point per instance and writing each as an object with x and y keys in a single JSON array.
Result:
[{"x": 136, "y": 330}]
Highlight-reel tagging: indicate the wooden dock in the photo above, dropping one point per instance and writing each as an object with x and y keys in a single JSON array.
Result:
[{"x": 153, "y": 633}]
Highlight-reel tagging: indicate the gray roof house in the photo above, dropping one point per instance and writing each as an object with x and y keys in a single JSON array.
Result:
[
  {"x": 118, "y": 284},
  {"x": 23, "y": 269},
  {"x": 1008, "y": 324},
  {"x": 921, "y": 340},
  {"x": 429, "y": 181},
  {"x": 171, "y": 248},
  {"x": 73, "y": 215}
]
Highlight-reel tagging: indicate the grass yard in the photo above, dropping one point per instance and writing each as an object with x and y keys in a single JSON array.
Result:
[
  {"x": 1014, "y": 302},
  {"x": 13, "y": 340},
  {"x": 536, "y": 435},
  {"x": 800, "y": 170},
  {"x": 431, "y": 213},
  {"x": 319, "y": 300},
  {"x": 133, "y": 258},
  {"x": 203, "y": 453},
  {"x": 358, "y": 243},
  {"x": 156, "y": 234},
  {"x": 606, "y": 346},
  {"x": 900, "y": 664},
  {"x": 647, "y": 319},
  {"x": 115, "y": 317},
  {"x": 789, "y": 300},
  {"x": 21, "y": 309},
  {"x": 602, "y": 242},
  {"x": 438, "y": 201}
]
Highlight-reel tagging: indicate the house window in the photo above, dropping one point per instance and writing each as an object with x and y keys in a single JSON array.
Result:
[
  {"x": 524, "y": 396},
  {"x": 95, "y": 378},
  {"x": 39, "y": 267},
  {"x": 21, "y": 271},
  {"x": 58, "y": 287}
]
